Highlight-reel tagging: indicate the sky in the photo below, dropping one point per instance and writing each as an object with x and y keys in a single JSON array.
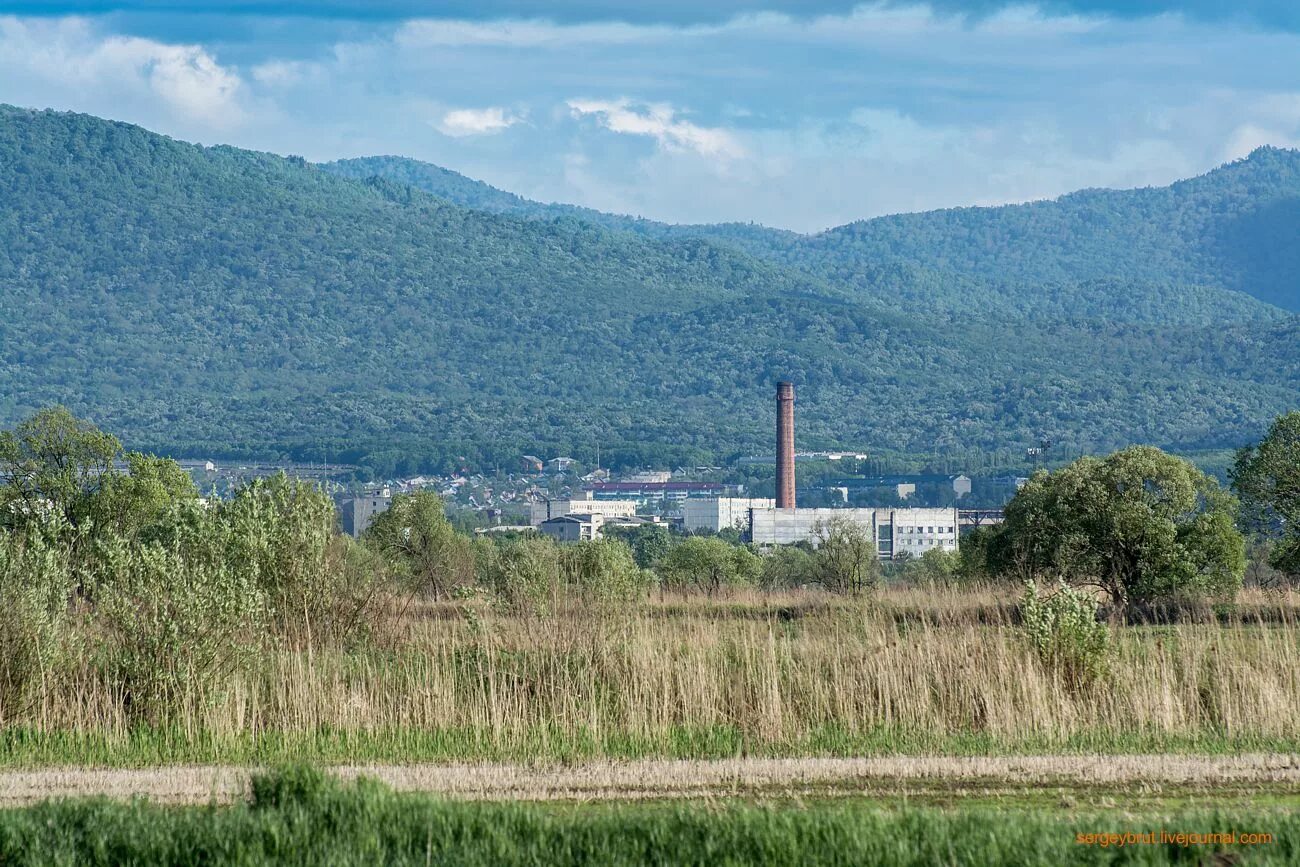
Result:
[{"x": 801, "y": 115}]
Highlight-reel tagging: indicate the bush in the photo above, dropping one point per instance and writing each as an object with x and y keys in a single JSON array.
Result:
[
  {"x": 709, "y": 564},
  {"x": 279, "y": 533},
  {"x": 37, "y": 580},
  {"x": 603, "y": 572},
  {"x": 523, "y": 574},
  {"x": 1064, "y": 631},
  {"x": 788, "y": 567},
  {"x": 421, "y": 547},
  {"x": 180, "y": 618}
]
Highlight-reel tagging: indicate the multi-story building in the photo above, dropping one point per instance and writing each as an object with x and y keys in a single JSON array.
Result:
[
  {"x": 357, "y": 512},
  {"x": 657, "y": 492},
  {"x": 897, "y": 532},
  {"x": 583, "y": 504},
  {"x": 713, "y": 514}
]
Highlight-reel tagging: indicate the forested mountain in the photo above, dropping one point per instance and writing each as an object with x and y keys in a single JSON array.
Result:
[
  {"x": 214, "y": 301},
  {"x": 1236, "y": 228}
]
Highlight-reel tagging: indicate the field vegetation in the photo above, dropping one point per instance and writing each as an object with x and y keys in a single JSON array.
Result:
[
  {"x": 142, "y": 625},
  {"x": 302, "y": 817}
]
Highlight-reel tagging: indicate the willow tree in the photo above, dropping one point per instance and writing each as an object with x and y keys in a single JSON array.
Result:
[
  {"x": 1267, "y": 477},
  {"x": 1143, "y": 526}
]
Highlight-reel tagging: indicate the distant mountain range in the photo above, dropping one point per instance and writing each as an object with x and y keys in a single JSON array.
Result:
[
  {"x": 386, "y": 312},
  {"x": 1237, "y": 228}
]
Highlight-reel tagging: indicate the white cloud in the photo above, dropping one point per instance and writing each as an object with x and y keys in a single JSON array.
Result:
[
  {"x": 476, "y": 121},
  {"x": 526, "y": 33},
  {"x": 799, "y": 121},
  {"x": 661, "y": 122},
  {"x": 72, "y": 56}
]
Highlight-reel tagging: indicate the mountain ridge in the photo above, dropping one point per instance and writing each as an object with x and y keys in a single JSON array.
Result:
[
  {"x": 1272, "y": 176},
  {"x": 234, "y": 303}
]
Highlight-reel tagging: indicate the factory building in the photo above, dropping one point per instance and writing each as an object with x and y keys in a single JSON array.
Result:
[
  {"x": 583, "y": 504},
  {"x": 573, "y": 528},
  {"x": 898, "y": 532},
  {"x": 357, "y": 513},
  {"x": 714, "y": 514}
]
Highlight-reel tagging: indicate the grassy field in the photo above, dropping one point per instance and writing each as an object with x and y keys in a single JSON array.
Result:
[
  {"x": 909, "y": 672},
  {"x": 302, "y": 817}
]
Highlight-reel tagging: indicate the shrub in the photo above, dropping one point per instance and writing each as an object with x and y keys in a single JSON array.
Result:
[
  {"x": 421, "y": 547},
  {"x": 788, "y": 567},
  {"x": 709, "y": 564},
  {"x": 603, "y": 572},
  {"x": 180, "y": 617},
  {"x": 277, "y": 533},
  {"x": 523, "y": 574},
  {"x": 1063, "y": 629},
  {"x": 37, "y": 581}
]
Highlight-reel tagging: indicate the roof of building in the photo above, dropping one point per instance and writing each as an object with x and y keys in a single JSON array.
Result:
[{"x": 658, "y": 486}]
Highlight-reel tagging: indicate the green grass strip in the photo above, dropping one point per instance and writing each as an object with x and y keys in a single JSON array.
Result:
[
  {"x": 152, "y": 747},
  {"x": 300, "y": 816}
]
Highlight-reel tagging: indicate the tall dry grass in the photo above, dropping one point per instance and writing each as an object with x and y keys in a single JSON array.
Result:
[{"x": 775, "y": 669}]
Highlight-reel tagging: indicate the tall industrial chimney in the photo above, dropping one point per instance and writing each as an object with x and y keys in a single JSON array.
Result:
[{"x": 785, "y": 445}]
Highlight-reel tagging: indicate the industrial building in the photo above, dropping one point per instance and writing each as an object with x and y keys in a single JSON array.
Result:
[
  {"x": 572, "y": 528},
  {"x": 714, "y": 514},
  {"x": 657, "y": 492},
  {"x": 897, "y": 532},
  {"x": 356, "y": 513},
  {"x": 583, "y": 504}
]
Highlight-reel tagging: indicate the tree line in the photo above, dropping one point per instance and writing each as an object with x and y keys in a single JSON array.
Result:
[{"x": 113, "y": 564}]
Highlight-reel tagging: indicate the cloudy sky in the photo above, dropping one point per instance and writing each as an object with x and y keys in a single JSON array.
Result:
[{"x": 795, "y": 114}]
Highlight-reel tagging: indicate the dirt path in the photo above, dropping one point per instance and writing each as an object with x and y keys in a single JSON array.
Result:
[{"x": 657, "y": 778}]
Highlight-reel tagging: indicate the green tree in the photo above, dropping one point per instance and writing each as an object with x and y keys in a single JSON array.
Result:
[
  {"x": 53, "y": 461},
  {"x": 1143, "y": 526},
  {"x": 419, "y": 543},
  {"x": 1267, "y": 478},
  {"x": 788, "y": 567},
  {"x": 709, "y": 564},
  {"x": 602, "y": 571},
  {"x": 128, "y": 504},
  {"x": 847, "y": 560},
  {"x": 523, "y": 573},
  {"x": 650, "y": 544}
]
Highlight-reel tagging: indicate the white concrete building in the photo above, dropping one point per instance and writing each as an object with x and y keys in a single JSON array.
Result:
[
  {"x": 712, "y": 514},
  {"x": 896, "y": 531},
  {"x": 584, "y": 504},
  {"x": 915, "y": 531}
]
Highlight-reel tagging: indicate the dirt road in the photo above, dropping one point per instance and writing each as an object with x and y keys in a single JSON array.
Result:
[{"x": 656, "y": 778}]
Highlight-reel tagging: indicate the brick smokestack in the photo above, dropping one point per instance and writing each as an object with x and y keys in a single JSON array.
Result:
[{"x": 785, "y": 445}]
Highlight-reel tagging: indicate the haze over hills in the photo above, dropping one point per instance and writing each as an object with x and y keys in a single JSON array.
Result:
[{"x": 218, "y": 301}]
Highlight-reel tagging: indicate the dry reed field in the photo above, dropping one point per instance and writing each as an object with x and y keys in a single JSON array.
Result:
[{"x": 910, "y": 671}]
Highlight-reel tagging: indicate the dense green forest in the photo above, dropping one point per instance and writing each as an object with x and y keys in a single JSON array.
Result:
[
  {"x": 1233, "y": 228},
  {"x": 220, "y": 302}
]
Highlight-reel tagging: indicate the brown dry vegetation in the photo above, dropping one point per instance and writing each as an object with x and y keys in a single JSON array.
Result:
[{"x": 776, "y": 669}]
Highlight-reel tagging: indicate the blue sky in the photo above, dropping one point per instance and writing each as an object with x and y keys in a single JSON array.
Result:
[{"x": 795, "y": 114}]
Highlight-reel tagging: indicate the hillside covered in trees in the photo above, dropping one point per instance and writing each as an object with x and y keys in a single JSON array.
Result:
[
  {"x": 214, "y": 301},
  {"x": 1233, "y": 228}
]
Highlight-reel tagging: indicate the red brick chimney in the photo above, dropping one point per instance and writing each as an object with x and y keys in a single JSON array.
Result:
[{"x": 785, "y": 445}]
